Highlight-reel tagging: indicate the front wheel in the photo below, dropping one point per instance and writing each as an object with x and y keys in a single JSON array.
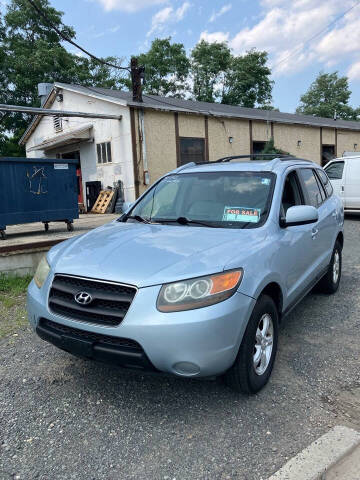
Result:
[
  {"x": 254, "y": 362},
  {"x": 331, "y": 280}
]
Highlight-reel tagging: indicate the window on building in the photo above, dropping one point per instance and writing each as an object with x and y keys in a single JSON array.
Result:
[
  {"x": 258, "y": 147},
  {"x": 327, "y": 154},
  {"x": 57, "y": 123},
  {"x": 315, "y": 196},
  {"x": 103, "y": 152},
  {"x": 192, "y": 150}
]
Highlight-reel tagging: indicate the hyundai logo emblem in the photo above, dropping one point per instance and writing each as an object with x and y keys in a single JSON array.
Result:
[{"x": 83, "y": 298}]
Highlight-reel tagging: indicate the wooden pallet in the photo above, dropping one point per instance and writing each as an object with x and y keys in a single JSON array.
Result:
[{"x": 103, "y": 201}]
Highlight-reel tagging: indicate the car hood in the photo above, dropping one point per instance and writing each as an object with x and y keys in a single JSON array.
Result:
[{"x": 145, "y": 255}]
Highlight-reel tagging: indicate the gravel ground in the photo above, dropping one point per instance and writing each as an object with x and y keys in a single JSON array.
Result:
[{"x": 65, "y": 418}]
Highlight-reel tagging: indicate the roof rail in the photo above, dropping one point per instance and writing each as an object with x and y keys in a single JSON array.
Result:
[
  {"x": 184, "y": 167},
  {"x": 251, "y": 155}
]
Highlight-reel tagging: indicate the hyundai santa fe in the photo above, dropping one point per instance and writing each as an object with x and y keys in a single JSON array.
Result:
[{"x": 195, "y": 277}]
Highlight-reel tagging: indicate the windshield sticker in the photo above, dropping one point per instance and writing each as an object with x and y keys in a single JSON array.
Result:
[
  {"x": 265, "y": 181},
  {"x": 241, "y": 214}
]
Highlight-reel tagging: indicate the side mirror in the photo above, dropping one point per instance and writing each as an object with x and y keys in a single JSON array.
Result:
[
  {"x": 126, "y": 206},
  {"x": 301, "y": 215}
]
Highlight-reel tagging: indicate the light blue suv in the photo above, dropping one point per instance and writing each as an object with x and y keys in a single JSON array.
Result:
[{"x": 194, "y": 279}]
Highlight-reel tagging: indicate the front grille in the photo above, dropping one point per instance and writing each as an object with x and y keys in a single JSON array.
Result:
[
  {"x": 91, "y": 336},
  {"x": 109, "y": 305}
]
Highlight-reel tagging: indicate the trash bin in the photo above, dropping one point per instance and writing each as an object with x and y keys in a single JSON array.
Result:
[{"x": 37, "y": 190}]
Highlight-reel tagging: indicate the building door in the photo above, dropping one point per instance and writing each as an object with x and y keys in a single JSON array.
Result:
[
  {"x": 327, "y": 154},
  {"x": 76, "y": 155},
  {"x": 92, "y": 193}
]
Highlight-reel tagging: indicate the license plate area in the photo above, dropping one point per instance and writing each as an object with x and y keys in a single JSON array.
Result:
[{"x": 77, "y": 346}]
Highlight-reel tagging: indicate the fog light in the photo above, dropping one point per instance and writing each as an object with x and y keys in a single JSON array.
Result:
[{"x": 186, "y": 369}]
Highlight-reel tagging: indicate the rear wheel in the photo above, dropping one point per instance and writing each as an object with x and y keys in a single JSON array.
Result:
[
  {"x": 331, "y": 280},
  {"x": 254, "y": 362}
]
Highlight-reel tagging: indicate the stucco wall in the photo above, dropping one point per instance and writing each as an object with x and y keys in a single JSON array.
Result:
[
  {"x": 160, "y": 144},
  {"x": 346, "y": 141},
  {"x": 115, "y": 131},
  {"x": 220, "y": 129},
  {"x": 328, "y": 136},
  {"x": 191, "y": 125},
  {"x": 261, "y": 131},
  {"x": 287, "y": 136}
]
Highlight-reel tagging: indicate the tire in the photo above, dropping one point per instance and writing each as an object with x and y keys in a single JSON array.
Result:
[
  {"x": 246, "y": 375},
  {"x": 46, "y": 227},
  {"x": 330, "y": 281},
  {"x": 70, "y": 227}
]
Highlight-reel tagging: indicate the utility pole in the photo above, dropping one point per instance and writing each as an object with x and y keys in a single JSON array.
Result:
[{"x": 137, "y": 77}]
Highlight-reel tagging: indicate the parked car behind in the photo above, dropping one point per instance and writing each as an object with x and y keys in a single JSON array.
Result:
[
  {"x": 344, "y": 174},
  {"x": 194, "y": 279}
]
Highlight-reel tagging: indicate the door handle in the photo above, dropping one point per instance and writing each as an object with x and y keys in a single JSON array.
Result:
[
  {"x": 314, "y": 232},
  {"x": 342, "y": 188}
]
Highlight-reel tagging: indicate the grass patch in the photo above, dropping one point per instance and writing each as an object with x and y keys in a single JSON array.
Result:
[
  {"x": 12, "y": 303},
  {"x": 14, "y": 285}
]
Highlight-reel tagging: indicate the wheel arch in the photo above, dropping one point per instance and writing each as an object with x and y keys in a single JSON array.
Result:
[
  {"x": 273, "y": 290},
  {"x": 340, "y": 239}
]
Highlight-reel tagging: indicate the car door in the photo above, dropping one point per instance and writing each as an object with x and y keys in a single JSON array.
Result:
[
  {"x": 296, "y": 253},
  {"x": 352, "y": 184},
  {"x": 322, "y": 231},
  {"x": 336, "y": 172}
]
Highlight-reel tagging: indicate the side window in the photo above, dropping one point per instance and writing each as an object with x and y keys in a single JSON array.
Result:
[
  {"x": 315, "y": 196},
  {"x": 326, "y": 182},
  {"x": 335, "y": 170},
  {"x": 291, "y": 194}
]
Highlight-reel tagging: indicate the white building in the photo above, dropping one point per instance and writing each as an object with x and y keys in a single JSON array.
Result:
[{"x": 102, "y": 146}]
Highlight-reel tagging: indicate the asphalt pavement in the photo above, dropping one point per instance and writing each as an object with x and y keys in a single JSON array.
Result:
[{"x": 66, "y": 418}]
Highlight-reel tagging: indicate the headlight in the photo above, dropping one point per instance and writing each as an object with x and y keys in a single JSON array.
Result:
[
  {"x": 42, "y": 272},
  {"x": 198, "y": 292}
]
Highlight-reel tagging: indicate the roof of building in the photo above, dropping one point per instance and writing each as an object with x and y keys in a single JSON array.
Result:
[{"x": 204, "y": 108}]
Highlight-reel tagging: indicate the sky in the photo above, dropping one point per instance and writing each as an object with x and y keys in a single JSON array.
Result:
[{"x": 302, "y": 37}]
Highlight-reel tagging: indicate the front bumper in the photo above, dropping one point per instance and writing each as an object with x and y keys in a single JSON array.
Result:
[{"x": 198, "y": 343}]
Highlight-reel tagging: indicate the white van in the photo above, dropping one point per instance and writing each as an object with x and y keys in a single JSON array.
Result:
[{"x": 344, "y": 174}]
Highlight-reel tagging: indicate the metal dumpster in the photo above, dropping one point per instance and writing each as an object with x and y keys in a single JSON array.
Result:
[{"x": 37, "y": 190}]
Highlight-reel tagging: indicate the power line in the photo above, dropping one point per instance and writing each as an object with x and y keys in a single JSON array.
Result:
[
  {"x": 316, "y": 35},
  {"x": 64, "y": 37}
]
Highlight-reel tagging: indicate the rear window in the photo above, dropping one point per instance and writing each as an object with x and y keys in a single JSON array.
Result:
[{"x": 335, "y": 170}]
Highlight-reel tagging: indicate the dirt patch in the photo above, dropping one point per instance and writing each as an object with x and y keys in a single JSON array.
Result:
[{"x": 346, "y": 406}]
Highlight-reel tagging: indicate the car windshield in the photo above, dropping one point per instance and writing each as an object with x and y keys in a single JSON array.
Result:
[{"x": 216, "y": 199}]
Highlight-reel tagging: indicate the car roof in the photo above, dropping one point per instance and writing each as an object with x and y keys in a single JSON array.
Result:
[{"x": 275, "y": 165}]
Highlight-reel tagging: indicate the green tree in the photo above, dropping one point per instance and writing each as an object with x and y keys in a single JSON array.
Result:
[
  {"x": 270, "y": 149},
  {"x": 166, "y": 68},
  {"x": 247, "y": 81},
  {"x": 209, "y": 64},
  {"x": 30, "y": 53},
  {"x": 327, "y": 95}
]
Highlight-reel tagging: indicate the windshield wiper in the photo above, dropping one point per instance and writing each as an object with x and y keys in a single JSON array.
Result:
[
  {"x": 137, "y": 218},
  {"x": 186, "y": 221}
]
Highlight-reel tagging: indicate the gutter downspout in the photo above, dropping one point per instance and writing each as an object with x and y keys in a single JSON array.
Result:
[{"x": 143, "y": 146}]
